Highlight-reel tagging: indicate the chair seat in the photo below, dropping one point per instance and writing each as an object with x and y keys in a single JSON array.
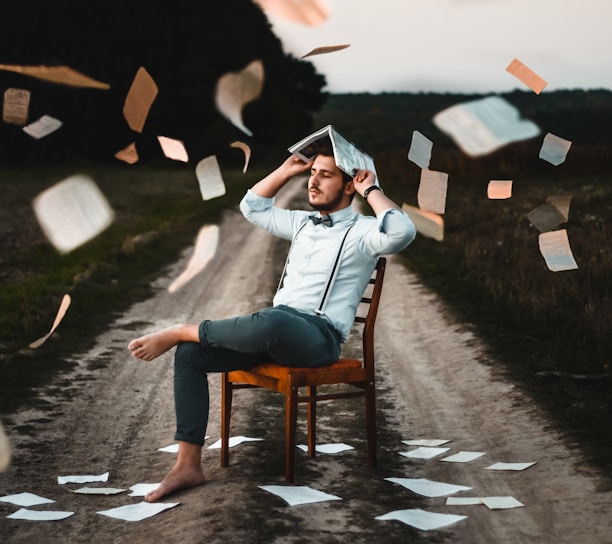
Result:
[{"x": 274, "y": 370}]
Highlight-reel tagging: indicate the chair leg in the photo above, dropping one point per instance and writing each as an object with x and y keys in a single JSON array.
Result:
[
  {"x": 312, "y": 420},
  {"x": 291, "y": 407},
  {"x": 226, "y": 413},
  {"x": 370, "y": 400}
]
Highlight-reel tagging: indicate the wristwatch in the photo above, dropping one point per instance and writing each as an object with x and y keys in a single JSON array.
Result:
[{"x": 371, "y": 188}]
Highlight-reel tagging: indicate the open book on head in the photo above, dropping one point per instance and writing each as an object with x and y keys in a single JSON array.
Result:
[{"x": 347, "y": 155}]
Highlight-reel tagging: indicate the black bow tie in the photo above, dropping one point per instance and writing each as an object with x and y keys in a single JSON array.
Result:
[{"x": 324, "y": 220}]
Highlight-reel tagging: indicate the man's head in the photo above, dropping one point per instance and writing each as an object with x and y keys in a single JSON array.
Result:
[{"x": 329, "y": 188}]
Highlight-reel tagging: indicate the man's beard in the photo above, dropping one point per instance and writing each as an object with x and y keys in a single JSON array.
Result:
[{"x": 330, "y": 204}]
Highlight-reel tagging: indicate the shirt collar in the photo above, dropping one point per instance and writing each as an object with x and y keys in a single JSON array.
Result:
[{"x": 341, "y": 215}]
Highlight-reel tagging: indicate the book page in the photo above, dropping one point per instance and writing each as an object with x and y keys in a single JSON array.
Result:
[{"x": 432, "y": 191}]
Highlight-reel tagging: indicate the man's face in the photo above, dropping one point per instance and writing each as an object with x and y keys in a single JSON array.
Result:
[{"x": 327, "y": 191}]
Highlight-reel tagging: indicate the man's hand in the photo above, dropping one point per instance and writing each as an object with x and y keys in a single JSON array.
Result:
[
  {"x": 294, "y": 166},
  {"x": 363, "y": 179}
]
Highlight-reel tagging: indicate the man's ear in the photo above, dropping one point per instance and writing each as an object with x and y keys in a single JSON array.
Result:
[{"x": 349, "y": 188}]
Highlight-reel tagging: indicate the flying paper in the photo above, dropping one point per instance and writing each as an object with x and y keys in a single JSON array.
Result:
[
  {"x": 16, "y": 106},
  {"x": 481, "y": 126},
  {"x": 546, "y": 217},
  {"x": 128, "y": 154},
  {"x": 58, "y": 319},
  {"x": 526, "y": 75},
  {"x": 499, "y": 189},
  {"x": 139, "y": 99},
  {"x": 5, "y": 450},
  {"x": 326, "y": 49},
  {"x": 236, "y": 89},
  {"x": 427, "y": 223},
  {"x": 173, "y": 149},
  {"x": 72, "y": 212},
  {"x": 299, "y": 494},
  {"x": 555, "y": 248},
  {"x": 306, "y": 12},
  {"x": 204, "y": 251},
  {"x": 431, "y": 195},
  {"x": 42, "y": 127},
  {"x": 57, "y": 74},
  {"x": 562, "y": 203},
  {"x": 247, "y": 153},
  {"x": 420, "y": 150},
  {"x": 210, "y": 178},
  {"x": 421, "y": 519},
  {"x": 554, "y": 149}
]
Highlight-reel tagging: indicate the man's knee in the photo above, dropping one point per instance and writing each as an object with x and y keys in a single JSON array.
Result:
[{"x": 188, "y": 355}]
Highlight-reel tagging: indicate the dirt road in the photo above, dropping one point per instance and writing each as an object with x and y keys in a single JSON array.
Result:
[{"x": 112, "y": 413}]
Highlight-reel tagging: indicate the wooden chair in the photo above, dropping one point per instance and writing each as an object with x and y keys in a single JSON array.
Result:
[{"x": 358, "y": 373}]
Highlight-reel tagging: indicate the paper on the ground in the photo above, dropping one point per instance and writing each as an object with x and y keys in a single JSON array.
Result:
[
  {"x": 173, "y": 149},
  {"x": 555, "y": 248},
  {"x": 463, "y": 456},
  {"x": 499, "y": 189},
  {"x": 66, "y": 300},
  {"x": 427, "y": 223},
  {"x": 236, "y": 89},
  {"x": 40, "y": 515},
  {"x": 72, "y": 212},
  {"x": 140, "y": 490},
  {"x": 83, "y": 479},
  {"x": 128, "y": 154},
  {"x": 554, "y": 149},
  {"x": 5, "y": 450},
  {"x": 16, "y": 105},
  {"x": 204, "y": 250},
  {"x": 428, "y": 488},
  {"x": 326, "y": 49},
  {"x": 139, "y": 99},
  {"x": 328, "y": 448},
  {"x": 431, "y": 195},
  {"x": 481, "y": 126},
  {"x": 210, "y": 178},
  {"x": 247, "y": 153},
  {"x": 42, "y": 127},
  {"x": 562, "y": 203},
  {"x": 430, "y": 442},
  {"x": 25, "y": 499},
  {"x": 420, "y": 149},
  {"x": 172, "y": 448},
  {"x": 138, "y": 511},
  {"x": 306, "y": 12},
  {"x": 510, "y": 466},
  {"x": 233, "y": 441},
  {"x": 423, "y": 452},
  {"x": 299, "y": 494},
  {"x": 57, "y": 74},
  {"x": 98, "y": 490},
  {"x": 422, "y": 519},
  {"x": 526, "y": 75},
  {"x": 463, "y": 501},
  {"x": 546, "y": 217},
  {"x": 493, "y": 503}
]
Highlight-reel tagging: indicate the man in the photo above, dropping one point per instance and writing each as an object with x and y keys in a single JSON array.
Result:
[{"x": 302, "y": 328}]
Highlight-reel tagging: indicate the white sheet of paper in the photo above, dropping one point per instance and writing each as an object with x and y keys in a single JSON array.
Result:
[
  {"x": 299, "y": 494},
  {"x": 72, "y": 212},
  {"x": 83, "y": 479},
  {"x": 423, "y": 452},
  {"x": 429, "y": 442},
  {"x": 65, "y": 304},
  {"x": 235, "y": 90},
  {"x": 57, "y": 74},
  {"x": 16, "y": 106},
  {"x": 40, "y": 515},
  {"x": 428, "y": 488},
  {"x": 99, "y": 490},
  {"x": 25, "y": 499},
  {"x": 562, "y": 203},
  {"x": 128, "y": 154},
  {"x": 247, "y": 153},
  {"x": 5, "y": 450},
  {"x": 139, "y": 99},
  {"x": 422, "y": 519},
  {"x": 501, "y": 503},
  {"x": 431, "y": 195},
  {"x": 204, "y": 250},
  {"x": 499, "y": 189},
  {"x": 463, "y": 501},
  {"x": 481, "y": 126},
  {"x": 546, "y": 217},
  {"x": 172, "y": 448},
  {"x": 420, "y": 149},
  {"x": 42, "y": 127},
  {"x": 554, "y": 149},
  {"x": 555, "y": 248},
  {"x": 306, "y": 12},
  {"x": 428, "y": 224},
  {"x": 233, "y": 441},
  {"x": 138, "y": 511},
  {"x": 140, "y": 490},
  {"x": 326, "y": 49},
  {"x": 210, "y": 178},
  {"x": 463, "y": 456},
  {"x": 173, "y": 149},
  {"x": 328, "y": 448},
  {"x": 509, "y": 466},
  {"x": 526, "y": 75}
]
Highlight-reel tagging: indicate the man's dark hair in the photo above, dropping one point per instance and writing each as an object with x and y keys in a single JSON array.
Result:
[{"x": 325, "y": 148}]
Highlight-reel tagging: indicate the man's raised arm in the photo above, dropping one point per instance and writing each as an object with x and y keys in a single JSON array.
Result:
[{"x": 275, "y": 180}]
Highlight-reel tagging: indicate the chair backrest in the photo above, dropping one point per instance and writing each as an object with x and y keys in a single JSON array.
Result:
[{"x": 369, "y": 320}]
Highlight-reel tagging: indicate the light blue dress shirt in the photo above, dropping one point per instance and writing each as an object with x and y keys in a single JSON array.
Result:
[{"x": 315, "y": 248}]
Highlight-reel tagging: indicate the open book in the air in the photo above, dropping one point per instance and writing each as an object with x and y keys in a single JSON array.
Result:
[{"x": 347, "y": 155}]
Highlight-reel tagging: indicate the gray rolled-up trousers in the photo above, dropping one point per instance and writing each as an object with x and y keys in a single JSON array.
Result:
[{"x": 279, "y": 333}]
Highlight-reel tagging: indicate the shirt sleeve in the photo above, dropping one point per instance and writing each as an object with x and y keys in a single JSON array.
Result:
[
  {"x": 261, "y": 212},
  {"x": 392, "y": 231}
]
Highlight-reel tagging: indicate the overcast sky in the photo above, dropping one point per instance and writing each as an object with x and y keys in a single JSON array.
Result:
[{"x": 457, "y": 45}]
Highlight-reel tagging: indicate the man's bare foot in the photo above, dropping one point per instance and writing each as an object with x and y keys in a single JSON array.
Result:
[
  {"x": 175, "y": 480},
  {"x": 153, "y": 345}
]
